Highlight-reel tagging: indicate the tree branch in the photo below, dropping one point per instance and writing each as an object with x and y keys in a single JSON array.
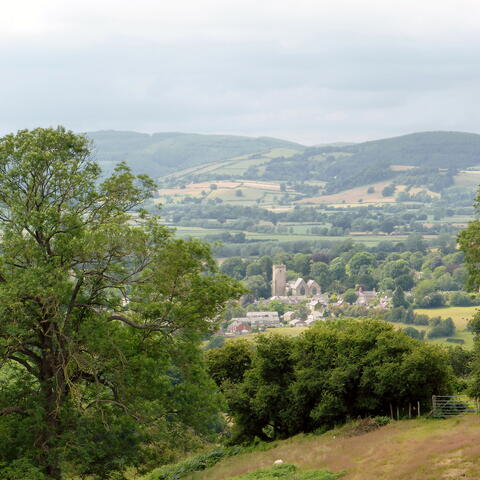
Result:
[
  {"x": 10, "y": 410},
  {"x": 149, "y": 326}
]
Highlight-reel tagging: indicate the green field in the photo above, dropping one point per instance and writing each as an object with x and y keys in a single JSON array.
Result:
[
  {"x": 370, "y": 240},
  {"x": 461, "y": 317}
]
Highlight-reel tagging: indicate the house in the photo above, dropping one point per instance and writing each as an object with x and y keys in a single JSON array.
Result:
[
  {"x": 239, "y": 326},
  {"x": 297, "y": 323},
  {"x": 263, "y": 319},
  {"x": 288, "y": 316},
  {"x": 384, "y": 302},
  {"x": 319, "y": 300},
  {"x": 365, "y": 297},
  {"x": 316, "y": 315},
  {"x": 288, "y": 299}
]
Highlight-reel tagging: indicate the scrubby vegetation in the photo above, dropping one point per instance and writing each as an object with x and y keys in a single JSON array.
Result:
[{"x": 288, "y": 472}]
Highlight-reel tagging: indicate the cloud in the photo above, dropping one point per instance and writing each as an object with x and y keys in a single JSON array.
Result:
[{"x": 311, "y": 71}]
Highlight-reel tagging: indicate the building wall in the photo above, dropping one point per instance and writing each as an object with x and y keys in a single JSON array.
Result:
[{"x": 279, "y": 280}]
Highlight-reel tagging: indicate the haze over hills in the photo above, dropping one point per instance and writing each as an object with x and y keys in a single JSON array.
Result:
[
  {"x": 340, "y": 165},
  {"x": 160, "y": 154}
]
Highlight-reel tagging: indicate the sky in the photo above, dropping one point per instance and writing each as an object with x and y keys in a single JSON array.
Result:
[{"x": 311, "y": 71}]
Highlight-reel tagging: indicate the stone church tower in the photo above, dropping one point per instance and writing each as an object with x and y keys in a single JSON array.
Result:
[{"x": 279, "y": 280}]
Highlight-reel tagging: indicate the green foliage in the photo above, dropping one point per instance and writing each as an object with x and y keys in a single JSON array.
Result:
[
  {"x": 230, "y": 362},
  {"x": 288, "y": 472},
  {"x": 101, "y": 316},
  {"x": 441, "y": 328},
  {"x": 21, "y": 469},
  {"x": 350, "y": 296},
  {"x": 398, "y": 299},
  {"x": 202, "y": 461},
  {"x": 331, "y": 372}
]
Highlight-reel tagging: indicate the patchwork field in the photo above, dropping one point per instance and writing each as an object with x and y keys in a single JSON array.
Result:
[
  {"x": 468, "y": 178},
  {"x": 236, "y": 166},
  {"x": 420, "y": 449},
  {"x": 360, "y": 195},
  {"x": 246, "y": 192},
  {"x": 370, "y": 240}
]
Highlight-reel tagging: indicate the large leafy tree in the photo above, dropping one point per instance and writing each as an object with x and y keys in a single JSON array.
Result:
[
  {"x": 101, "y": 312},
  {"x": 469, "y": 241}
]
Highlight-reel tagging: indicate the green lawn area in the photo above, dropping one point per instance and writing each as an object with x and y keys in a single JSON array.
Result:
[{"x": 461, "y": 317}]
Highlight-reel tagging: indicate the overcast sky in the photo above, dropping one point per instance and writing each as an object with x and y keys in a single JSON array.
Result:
[{"x": 312, "y": 71}]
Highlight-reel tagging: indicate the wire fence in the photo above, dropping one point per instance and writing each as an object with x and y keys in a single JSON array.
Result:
[{"x": 450, "y": 405}]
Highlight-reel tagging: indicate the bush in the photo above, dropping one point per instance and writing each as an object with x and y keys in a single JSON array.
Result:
[
  {"x": 202, "y": 462},
  {"x": 382, "y": 421},
  {"x": 288, "y": 472}
]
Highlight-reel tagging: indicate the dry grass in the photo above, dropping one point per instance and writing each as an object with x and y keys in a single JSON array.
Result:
[{"x": 408, "y": 450}]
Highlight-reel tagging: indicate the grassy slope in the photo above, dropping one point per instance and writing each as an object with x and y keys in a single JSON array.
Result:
[
  {"x": 408, "y": 450},
  {"x": 162, "y": 153}
]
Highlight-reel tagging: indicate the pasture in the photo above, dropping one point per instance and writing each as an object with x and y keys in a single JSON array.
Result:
[{"x": 419, "y": 449}]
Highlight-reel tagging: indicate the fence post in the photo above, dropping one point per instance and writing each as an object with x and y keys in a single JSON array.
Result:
[
  {"x": 418, "y": 409},
  {"x": 391, "y": 411},
  {"x": 434, "y": 404},
  {"x": 409, "y": 410},
  {"x": 398, "y": 413}
]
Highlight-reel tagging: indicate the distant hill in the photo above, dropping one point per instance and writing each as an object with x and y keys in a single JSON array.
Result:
[
  {"x": 424, "y": 149},
  {"x": 159, "y": 154},
  {"x": 348, "y": 166}
]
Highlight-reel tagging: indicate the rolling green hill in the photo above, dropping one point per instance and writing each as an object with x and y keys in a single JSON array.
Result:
[
  {"x": 164, "y": 153},
  {"x": 427, "y": 160},
  {"x": 348, "y": 166}
]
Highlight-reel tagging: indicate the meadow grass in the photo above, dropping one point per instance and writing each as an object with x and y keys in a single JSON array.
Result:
[
  {"x": 419, "y": 449},
  {"x": 460, "y": 315}
]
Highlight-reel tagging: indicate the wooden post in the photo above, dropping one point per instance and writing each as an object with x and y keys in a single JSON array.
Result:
[
  {"x": 398, "y": 413},
  {"x": 391, "y": 411},
  {"x": 434, "y": 404},
  {"x": 409, "y": 410},
  {"x": 418, "y": 409}
]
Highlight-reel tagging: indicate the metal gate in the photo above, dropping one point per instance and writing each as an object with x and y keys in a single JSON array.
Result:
[{"x": 450, "y": 405}]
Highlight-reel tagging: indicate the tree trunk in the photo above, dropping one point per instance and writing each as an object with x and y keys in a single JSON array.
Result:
[{"x": 51, "y": 386}]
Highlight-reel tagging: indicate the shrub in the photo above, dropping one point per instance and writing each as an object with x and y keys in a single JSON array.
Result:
[
  {"x": 288, "y": 472},
  {"x": 202, "y": 461}
]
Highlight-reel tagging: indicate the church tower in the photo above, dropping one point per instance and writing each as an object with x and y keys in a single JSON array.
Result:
[{"x": 279, "y": 280}]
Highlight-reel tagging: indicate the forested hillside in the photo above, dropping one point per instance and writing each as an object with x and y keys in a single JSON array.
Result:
[
  {"x": 364, "y": 163},
  {"x": 163, "y": 153}
]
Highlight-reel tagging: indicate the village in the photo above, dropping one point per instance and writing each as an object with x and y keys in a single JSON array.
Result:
[{"x": 303, "y": 304}]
